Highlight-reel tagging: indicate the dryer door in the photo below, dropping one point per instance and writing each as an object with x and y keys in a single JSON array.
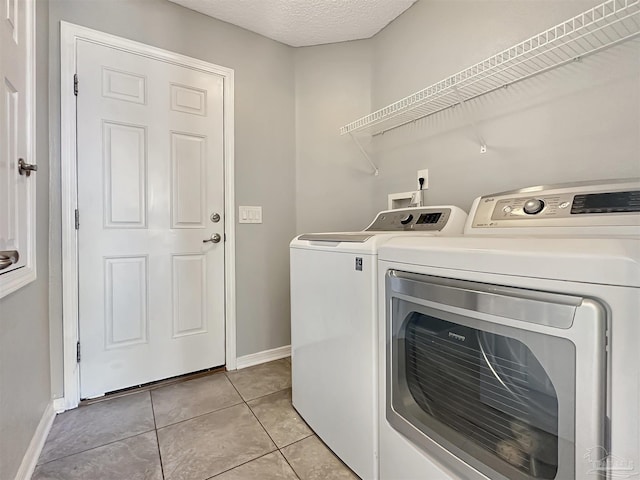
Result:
[{"x": 486, "y": 378}]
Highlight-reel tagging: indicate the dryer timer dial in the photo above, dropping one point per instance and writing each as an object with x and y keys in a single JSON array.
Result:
[{"x": 533, "y": 206}]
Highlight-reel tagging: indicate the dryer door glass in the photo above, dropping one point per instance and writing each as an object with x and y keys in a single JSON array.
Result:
[{"x": 487, "y": 389}]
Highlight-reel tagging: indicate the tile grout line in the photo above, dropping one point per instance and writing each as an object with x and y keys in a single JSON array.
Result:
[
  {"x": 249, "y": 368},
  {"x": 155, "y": 424},
  {"x": 266, "y": 395},
  {"x": 108, "y": 443},
  {"x": 285, "y": 457},
  {"x": 290, "y": 466},
  {"x": 242, "y": 400},
  {"x": 278, "y": 449},
  {"x": 266, "y": 431},
  {"x": 254, "y": 416},
  {"x": 240, "y": 464},
  {"x": 96, "y": 447},
  {"x": 200, "y": 415},
  {"x": 103, "y": 444},
  {"x": 313, "y": 434}
]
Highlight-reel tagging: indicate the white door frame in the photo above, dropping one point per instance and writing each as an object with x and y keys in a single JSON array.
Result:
[{"x": 70, "y": 34}]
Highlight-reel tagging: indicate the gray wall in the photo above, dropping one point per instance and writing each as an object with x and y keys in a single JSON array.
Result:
[
  {"x": 24, "y": 326},
  {"x": 578, "y": 122},
  {"x": 334, "y": 183},
  {"x": 575, "y": 123},
  {"x": 264, "y": 146}
]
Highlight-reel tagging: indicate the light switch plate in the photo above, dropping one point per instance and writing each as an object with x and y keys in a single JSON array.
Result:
[{"x": 250, "y": 214}]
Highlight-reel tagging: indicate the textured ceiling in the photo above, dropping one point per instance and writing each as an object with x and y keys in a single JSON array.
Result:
[{"x": 301, "y": 23}]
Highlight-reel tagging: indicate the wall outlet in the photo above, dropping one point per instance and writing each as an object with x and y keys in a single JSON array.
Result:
[
  {"x": 423, "y": 174},
  {"x": 250, "y": 214}
]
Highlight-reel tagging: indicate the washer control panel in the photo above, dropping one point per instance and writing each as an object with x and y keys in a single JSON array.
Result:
[
  {"x": 597, "y": 203},
  {"x": 419, "y": 219}
]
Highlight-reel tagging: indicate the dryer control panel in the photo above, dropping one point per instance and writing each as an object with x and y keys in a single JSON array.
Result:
[{"x": 592, "y": 204}]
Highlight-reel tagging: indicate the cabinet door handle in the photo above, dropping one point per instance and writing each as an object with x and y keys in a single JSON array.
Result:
[{"x": 8, "y": 258}]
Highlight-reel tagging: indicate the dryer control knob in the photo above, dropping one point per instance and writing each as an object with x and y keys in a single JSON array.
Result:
[
  {"x": 533, "y": 206},
  {"x": 406, "y": 219}
]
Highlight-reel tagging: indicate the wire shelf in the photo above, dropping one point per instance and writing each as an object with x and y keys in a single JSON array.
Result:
[{"x": 603, "y": 26}]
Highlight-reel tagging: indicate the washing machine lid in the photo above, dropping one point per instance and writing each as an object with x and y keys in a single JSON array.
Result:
[
  {"x": 424, "y": 221},
  {"x": 350, "y": 242},
  {"x": 596, "y": 260},
  {"x": 354, "y": 237}
]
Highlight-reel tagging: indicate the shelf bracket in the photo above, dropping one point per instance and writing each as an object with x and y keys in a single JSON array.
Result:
[
  {"x": 376, "y": 172},
  {"x": 472, "y": 121}
]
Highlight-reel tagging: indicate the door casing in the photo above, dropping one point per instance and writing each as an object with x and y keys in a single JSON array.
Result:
[{"x": 69, "y": 36}]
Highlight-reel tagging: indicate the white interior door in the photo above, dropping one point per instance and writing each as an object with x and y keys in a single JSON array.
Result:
[
  {"x": 16, "y": 115},
  {"x": 150, "y": 182}
]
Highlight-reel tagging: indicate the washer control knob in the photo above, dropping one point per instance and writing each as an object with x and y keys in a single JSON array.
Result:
[
  {"x": 406, "y": 219},
  {"x": 533, "y": 206}
]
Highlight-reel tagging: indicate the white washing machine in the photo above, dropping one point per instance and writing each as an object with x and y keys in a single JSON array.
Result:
[
  {"x": 513, "y": 351},
  {"x": 333, "y": 327}
]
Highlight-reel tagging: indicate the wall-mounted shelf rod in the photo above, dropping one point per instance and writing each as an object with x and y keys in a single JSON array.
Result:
[
  {"x": 472, "y": 121},
  {"x": 376, "y": 172}
]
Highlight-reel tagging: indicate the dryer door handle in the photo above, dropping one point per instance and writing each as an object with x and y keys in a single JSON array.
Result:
[{"x": 543, "y": 308}]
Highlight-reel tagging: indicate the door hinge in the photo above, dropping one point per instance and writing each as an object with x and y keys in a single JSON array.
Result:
[
  {"x": 77, "y": 217},
  {"x": 75, "y": 84},
  {"x": 78, "y": 352}
]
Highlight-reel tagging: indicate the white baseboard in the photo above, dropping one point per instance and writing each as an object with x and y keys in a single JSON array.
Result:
[
  {"x": 263, "y": 357},
  {"x": 30, "y": 459},
  {"x": 59, "y": 405}
]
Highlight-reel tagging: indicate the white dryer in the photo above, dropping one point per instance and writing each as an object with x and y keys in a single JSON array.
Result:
[
  {"x": 333, "y": 327},
  {"x": 512, "y": 352}
]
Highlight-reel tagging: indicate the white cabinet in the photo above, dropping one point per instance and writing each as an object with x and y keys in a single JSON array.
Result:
[{"x": 17, "y": 135}]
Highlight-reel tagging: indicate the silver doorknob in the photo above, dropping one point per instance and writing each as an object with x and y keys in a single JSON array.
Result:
[
  {"x": 25, "y": 168},
  {"x": 215, "y": 238}
]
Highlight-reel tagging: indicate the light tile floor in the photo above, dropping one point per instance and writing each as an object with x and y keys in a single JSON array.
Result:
[{"x": 228, "y": 426}]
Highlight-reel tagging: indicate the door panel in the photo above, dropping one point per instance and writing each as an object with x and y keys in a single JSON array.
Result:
[
  {"x": 150, "y": 174},
  {"x": 126, "y": 301},
  {"x": 125, "y": 175},
  {"x": 188, "y": 181},
  {"x": 188, "y": 100},
  {"x": 125, "y": 86},
  {"x": 189, "y": 299}
]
